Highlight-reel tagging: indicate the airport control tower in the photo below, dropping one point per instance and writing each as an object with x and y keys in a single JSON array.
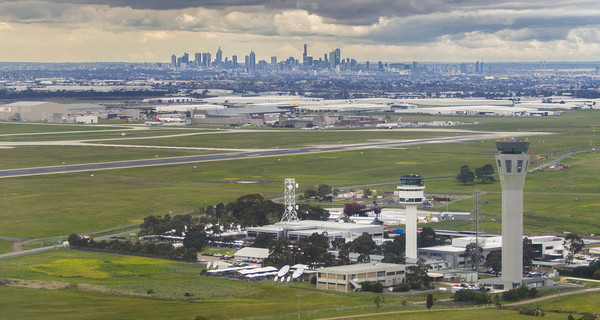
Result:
[
  {"x": 410, "y": 193},
  {"x": 512, "y": 161}
]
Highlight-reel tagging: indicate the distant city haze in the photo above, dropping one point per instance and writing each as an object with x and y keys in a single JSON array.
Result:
[{"x": 374, "y": 30}]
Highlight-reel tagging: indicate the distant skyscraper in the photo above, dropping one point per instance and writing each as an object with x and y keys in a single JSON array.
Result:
[
  {"x": 198, "y": 59},
  {"x": 234, "y": 61},
  {"x": 207, "y": 60},
  {"x": 252, "y": 62},
  {"x": 185, "y": 58},
  {"x": 273, "y": 60},
  {"x": 477, "y": 67},
  {"x": 305, "y": 55},
  {"x": 219, "y": 57},
  {"x": 173, "y": 61}
]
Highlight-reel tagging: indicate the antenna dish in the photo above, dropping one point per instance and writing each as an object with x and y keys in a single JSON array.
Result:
[
  {"x": 276, "y": 278},
  {"x": 282, "y": 279},
  {"x": 209, "y": 265},
  {"x": 289, "y": 278},
  {"x": 298, "y": 272},
  {"x": 283, "y": 271}
]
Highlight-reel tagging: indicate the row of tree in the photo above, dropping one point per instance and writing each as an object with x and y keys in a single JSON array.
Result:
[
  {"x": 254, "y": 210},
  {"x": 485, "y": 174},
  {"x": 164, "y": 250}
]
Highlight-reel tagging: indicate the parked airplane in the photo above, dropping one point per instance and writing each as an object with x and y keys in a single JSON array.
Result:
[{"x": 167, "y": 120}]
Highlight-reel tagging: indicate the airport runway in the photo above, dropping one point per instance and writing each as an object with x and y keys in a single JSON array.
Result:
[{"x": 245, "y": 155}]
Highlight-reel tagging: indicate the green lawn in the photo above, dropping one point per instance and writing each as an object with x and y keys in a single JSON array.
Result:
[
  {"x": 114, "y": 286},
  {"x": 464, "y": 314},
  {"x": 19, "y": 127},
  {"x": 579, "y": 302},
  {"x": 4, "y": 246},
  {"x": 114, "y": 133},
  {"x": 78, "y": 202},
  {"x": 40, "y": 156},
  {"x": 285, "y": 138}
]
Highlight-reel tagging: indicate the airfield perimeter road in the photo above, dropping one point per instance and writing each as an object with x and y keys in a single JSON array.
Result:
[{"x": 249, "y": 154}]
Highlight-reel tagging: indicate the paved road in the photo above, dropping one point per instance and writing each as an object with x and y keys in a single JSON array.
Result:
[
  {"x": 240, "y": 155},
  {"x": 30, "y": 251}
]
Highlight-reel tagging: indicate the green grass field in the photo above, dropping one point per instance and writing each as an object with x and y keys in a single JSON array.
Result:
[
  {"x": 40, "y": 156},
  {"x": 20, "y": 127},
  {"x": 60, "y": 204},
  {"x": 285, "y": 138},
  {"x": 4, "y": 246},
  {"x": 118, "y": 285},
  {"x": 581, "y": 303}
]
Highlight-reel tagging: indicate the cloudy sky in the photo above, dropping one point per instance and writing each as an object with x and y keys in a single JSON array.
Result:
[{"x": 386, "y": 30}]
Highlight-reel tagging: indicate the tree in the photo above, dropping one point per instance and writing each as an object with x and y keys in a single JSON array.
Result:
[
  {"x": 573, "y": 244},
  {"x": 311, "y": 193},
  {"x": 494, "y": 261},
  {"x": 528, "y": 253},
  {"x": 378, "y": 301},
  {"x": 364, "y": 246},
  {"x": 429, "y": 303},
  {"x": 427, "y": 238},
  {"x": 262, "y": 240},
  {"x": 473, "y": 254},
  {"x": 485, "y": 173},
  {"x": 393, "y": 251},
  {"x": 417, "y": 277},
  {"x": 195, "y": 238},
  {"x": 324, "y": 192},
  {"x": 16, "y": 117},
  {"x": 466, "y": 175}
]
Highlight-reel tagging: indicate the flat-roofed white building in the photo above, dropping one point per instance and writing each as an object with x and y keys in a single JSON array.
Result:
[
  {"x": 251, "y": 253},
  {"x": 34, "y": 111},
  {"x": 348, "y": 278},
  {"x": 305, "y": 228}
]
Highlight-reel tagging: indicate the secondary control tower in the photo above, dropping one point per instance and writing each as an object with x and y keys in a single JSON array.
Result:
[
  {"x": 512, "y": 161},
  {"x": 410, "y": 193}
]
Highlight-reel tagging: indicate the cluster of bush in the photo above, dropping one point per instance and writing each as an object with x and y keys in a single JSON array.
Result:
[
  {"x": 519, "y": 293},
  {"x": 403, "y": 287},
  {"x": 476, "y": 296},
  {"x": 164, "y": 250},
  {"x": 530, "y": 311},
  {"x": 372, "y": 286}
]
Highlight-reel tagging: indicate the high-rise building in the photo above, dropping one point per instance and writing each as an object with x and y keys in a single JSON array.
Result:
[
  {"x": 273, "y": 60},
  {"x": 252, "y": 62},
  {"x": 198, "y": 59},
  {"x": 512, "y": 161},
  {"x": 185, "y": 58},
  {"x": 410, "y": 193},
  {"x": 305, "y": 55},
  {"x": 173, "y": 61},
  {"x": 219, "y": 58},
  {"x": 234, "y": 61}
]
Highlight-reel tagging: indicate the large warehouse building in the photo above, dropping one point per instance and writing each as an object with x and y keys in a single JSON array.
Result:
[{"x": 33, "y": 111}]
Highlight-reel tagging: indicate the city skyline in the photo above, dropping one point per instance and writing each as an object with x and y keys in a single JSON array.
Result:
[{"x": 384, "y": 30}]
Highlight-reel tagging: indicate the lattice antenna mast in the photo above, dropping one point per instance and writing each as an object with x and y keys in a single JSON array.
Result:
[{"x": 289, "y": 192}]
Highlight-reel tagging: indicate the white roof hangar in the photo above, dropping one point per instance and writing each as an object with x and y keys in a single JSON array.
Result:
[{"x": 251, "y": 253}]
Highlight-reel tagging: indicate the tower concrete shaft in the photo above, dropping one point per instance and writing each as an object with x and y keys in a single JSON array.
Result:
[
  {"x": 410, "y": 193},
  {"x": 512, "y": 162}
]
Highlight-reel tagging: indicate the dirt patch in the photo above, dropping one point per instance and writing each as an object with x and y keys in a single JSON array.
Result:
[{"x": 34, "y": 284}]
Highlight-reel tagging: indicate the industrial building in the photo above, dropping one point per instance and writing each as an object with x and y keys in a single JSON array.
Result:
[
  {"x": 348, "y": 278},
  {"x": 34, "y": 111},
  {"x": 295, "y": 230},
  {"x": 251, "y": 253}
]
